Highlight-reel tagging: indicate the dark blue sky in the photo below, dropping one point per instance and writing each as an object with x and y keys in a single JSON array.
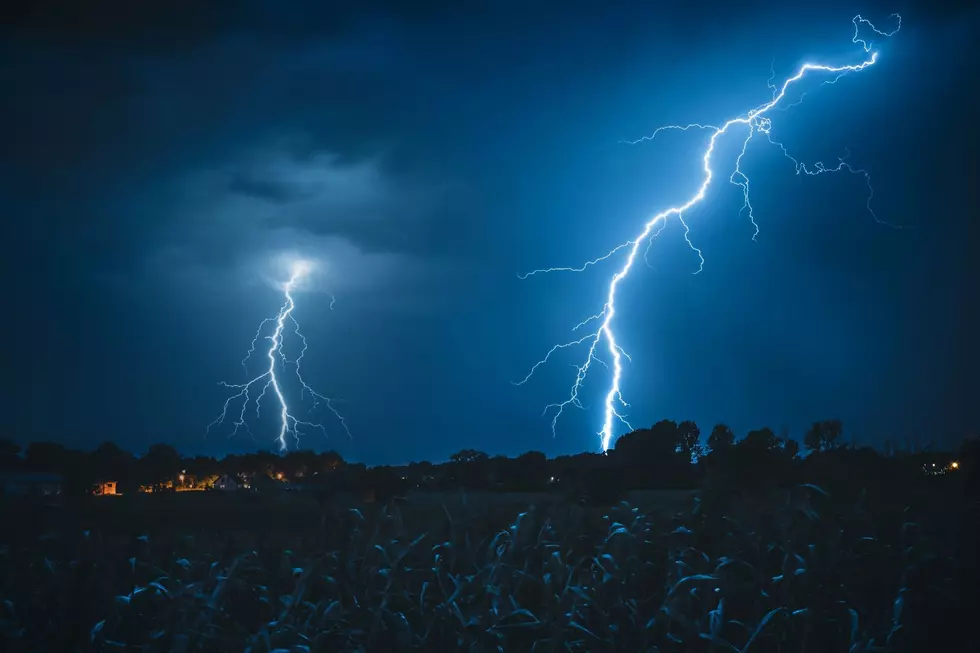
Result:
[{"x": 155, "y": 160}]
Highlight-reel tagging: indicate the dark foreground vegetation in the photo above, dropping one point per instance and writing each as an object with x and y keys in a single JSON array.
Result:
[{"x": 752, "y": 550}]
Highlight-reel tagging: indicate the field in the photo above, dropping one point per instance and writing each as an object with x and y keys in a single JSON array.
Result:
[{"x": 793, "y": 570}]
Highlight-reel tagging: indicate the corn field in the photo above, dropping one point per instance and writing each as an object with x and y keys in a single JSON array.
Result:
[{"x": 794, "y": 572}]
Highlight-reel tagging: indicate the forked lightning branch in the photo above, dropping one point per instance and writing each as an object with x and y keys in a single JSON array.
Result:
[
  {"x": 748, "y": 125},
  {"x": 270, "y": 386}
]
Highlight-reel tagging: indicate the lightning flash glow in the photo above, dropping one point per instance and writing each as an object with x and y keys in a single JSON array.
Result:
[
  {"x": 275, "y": 364},
  {"x": 755, "y": 121}
]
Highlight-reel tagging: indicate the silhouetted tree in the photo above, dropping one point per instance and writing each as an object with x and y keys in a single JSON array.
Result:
[
  {"x": 110, "y": 462},
  {"x": 299, "y": 464},
  {"x": 46, "y": 457},
  {"x": 690, "y": 439},
  {"x": 329, "y": 460},
  {"x": 824, "y": 435},
  {"x": 527, "y": 473},
  {"x": 662, "y": 441},
  {"x": 421, "y": 475},
  {"x": 654, "y": 457},
  {"x": 468, "y": 456},
  {"x": 382, "y": 483},
  {"x": 260, "y": 463},
  {"x": 721, "y": 438},
  {"x": 758, "y": 462},
  {"x": 161, "y": 463},
  {"x": 471, "y": 469},
  {"x": 760, "y": 440},
  {"x": 202, "y": 471}
]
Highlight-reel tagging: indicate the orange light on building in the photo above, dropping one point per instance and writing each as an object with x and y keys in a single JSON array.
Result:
[{"x": 104, "y": 488}]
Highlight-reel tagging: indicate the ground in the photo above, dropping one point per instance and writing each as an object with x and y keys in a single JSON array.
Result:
[{"x": 783, "y": 570}]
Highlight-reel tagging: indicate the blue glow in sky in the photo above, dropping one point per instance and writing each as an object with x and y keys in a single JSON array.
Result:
[{"x": 428, "y": 154}]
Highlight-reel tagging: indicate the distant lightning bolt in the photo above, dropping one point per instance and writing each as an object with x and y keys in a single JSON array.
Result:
[
  {"x": 755, "y": 121},
  {"x": 289, "y": 424}
]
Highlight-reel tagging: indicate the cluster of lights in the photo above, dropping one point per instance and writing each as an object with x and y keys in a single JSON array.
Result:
[{"x": 932, "y": 469}]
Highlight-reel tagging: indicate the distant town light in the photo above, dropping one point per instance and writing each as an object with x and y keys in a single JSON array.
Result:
[
  {"x": 954, "y": 465},
  {"x": 279, "y": 476}
]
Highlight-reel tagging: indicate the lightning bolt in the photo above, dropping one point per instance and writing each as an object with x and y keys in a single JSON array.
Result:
[
  {"x": 278, "y": 363},
  {"x": 755, "y": 121}
]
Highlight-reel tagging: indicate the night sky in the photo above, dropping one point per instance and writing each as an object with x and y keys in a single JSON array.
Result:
[{"x": 154, "y": 161}]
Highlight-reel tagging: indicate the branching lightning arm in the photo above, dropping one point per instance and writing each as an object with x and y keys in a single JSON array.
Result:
[
  {"x": 271, "y": 379},
  {"x": 755, "y": 121}
]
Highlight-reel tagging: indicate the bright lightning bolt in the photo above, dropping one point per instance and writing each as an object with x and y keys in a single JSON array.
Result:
[
  {"x": 755, "y": 121},
  {"x": 278, "y": 362}
]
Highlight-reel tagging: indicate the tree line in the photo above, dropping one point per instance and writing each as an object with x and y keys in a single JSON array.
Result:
[{"x": 667, "y": 455}]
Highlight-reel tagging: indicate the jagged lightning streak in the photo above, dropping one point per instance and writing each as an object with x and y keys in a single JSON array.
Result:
[
  {"x": 755, "y": 121},
  {"x": 276, "y": 356}
]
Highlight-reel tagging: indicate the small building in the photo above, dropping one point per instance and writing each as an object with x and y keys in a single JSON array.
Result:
[
  {"x": 226, "y": 483},
  {"x": 30, "y": 484},
  {"x": 104, "y": 488}
]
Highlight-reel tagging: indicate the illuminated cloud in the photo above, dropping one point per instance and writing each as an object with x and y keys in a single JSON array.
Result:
[{"x": 359, "y": 222}]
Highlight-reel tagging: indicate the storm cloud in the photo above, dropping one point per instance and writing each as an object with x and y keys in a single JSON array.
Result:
[
  {"x": 161, "y": 159},
  {"x": 217, "y": 140}
]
